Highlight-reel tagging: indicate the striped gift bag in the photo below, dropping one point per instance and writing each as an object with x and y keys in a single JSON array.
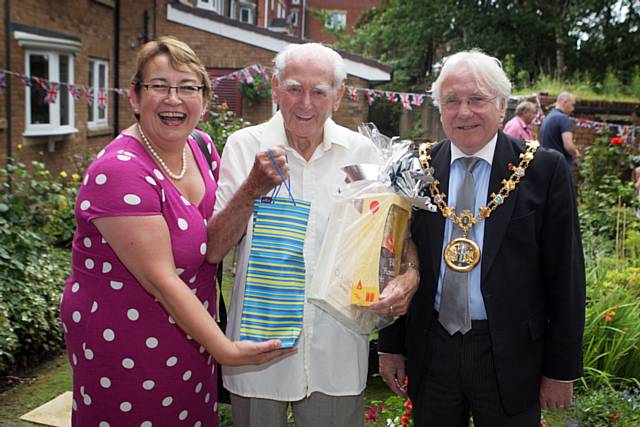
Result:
[{"x": 274, "y": 290}]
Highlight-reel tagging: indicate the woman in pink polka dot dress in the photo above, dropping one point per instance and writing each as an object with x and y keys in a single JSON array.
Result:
[{"x": 138, "y": 308}]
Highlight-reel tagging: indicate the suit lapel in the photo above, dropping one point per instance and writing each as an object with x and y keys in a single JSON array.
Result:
[
  {"x": 441, "y": 162},
  {"x": 496, "y": 225}
]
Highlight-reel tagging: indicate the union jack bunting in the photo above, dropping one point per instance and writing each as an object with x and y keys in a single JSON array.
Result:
[
  {"x": 406, "y": 102},
  {"x": 26, "y": 80},
  {"x": 418, "y": 100},
  {"x": 121, "y": 92},
  {"x": 52, "y": 93},
  {"x": 3, "y": 82},
  {"x": 75, "y": 91},
  {"x": 44, "y": 84},
  {"x": 353, "y": 93},
  {"x": 370, "y": 96},
  {"x": 102, "y": 98},
  {"x": 88, "y": 93}
]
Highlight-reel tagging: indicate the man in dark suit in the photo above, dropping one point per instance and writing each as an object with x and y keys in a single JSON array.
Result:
[{"x": 495, "y": 328}]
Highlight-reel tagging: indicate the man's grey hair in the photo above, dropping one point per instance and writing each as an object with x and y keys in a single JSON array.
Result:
[
  {"x": 487, "y": 71},
  {"x": 315, "y": 51},
  {"x": 525, "y": 107},
  {"x": 564, "y": 96}
]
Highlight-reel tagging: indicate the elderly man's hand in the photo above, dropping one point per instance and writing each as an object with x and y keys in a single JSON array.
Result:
[
  {"x": 396, "y": 296},
  {"x": 264, "y": 174},
  {"x": 391, "y": 368},
  {"x": 555, "y": 394}
]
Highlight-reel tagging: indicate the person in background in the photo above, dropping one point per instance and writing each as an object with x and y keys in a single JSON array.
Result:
[
  {"x": 556, "y": 131},
  {"x": 138, "y": 309},
  {"x": 495, "y": 328},
  {"x": 324, "y": 381},
  {"x": 520, "y": 125}
]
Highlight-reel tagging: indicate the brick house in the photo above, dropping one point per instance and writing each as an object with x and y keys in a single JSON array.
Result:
[{"x": 94, "y": 43}]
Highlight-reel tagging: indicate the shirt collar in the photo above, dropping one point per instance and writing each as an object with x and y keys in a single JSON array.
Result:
[{"x": 486, "y": 153}]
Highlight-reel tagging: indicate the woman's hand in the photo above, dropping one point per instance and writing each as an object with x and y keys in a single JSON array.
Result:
[{"x": 253, "y": 353}]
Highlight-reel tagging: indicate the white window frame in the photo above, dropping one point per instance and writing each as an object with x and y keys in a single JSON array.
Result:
[
  {"x": 332, "y": 21},
  {"x": 295, "y": 2},
  {"x": 294, "y": 18},
  {"x": 281, "y": 11},
  {"x": 214, "y": 5},
  {"x": 232, "y": 9},
  {"x": 95, "y": 85},
  {"x": 249, "y": 14},
  {"x": 53, "y": 127}
]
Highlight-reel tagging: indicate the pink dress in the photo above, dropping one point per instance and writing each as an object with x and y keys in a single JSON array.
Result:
[{"x": 132, "y": 365}]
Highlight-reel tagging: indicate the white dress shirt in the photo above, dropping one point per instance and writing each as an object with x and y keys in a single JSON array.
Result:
[{"x": 330, "y": 359}]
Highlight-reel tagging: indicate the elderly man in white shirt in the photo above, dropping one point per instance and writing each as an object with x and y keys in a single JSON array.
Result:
[{"x": 325, "y": 379}]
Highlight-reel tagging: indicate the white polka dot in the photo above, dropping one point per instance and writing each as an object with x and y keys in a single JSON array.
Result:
[
  {"x": 189, "y": 337},
  {"x": 167, "y": 401},
  {"x": 209, "y": 360},
  {"x": 215, "y": 407},
  {"x": 203, "y": 248},
  {"x": 88, "y": 354},
  {"x": 193, "y": 279},
  {"x": 86, "y": 399},
  {"x": 104, "y": 424},
  {"x": 76, "y": 316},
  {"x": 132, "y": 199},
  {"x": 128, "y": 363},
  {"x": 211, "y": 175},
  {"x": 116, "y": 285},
  {"x": 186, "y": 376},
  {"x": 64, "y": 327},
  {"x": 133, "y": 314},
  {"x": 173, "y": 322},
  {"x": 74, "y": 358},
  {"x": 206, "y": 305},
  {"x": 207, "y": 397},
  {"x": 94, "y": 307},
  {"x": 185, "y": 201},
  {"x": 101, "y": 179},
  {"x": 172, "y": 361},
  {"x": 150, "y": 180},
  {"x": 126, "y": 153},
  {"x": 179, "y": 271},
  {"x": 214, "y": 165},
  {"x": 146, "y": 424},
  {"x": 106, "y": 267},
  {"x": 108, "y": 335},
  {"x": 198, "y": 387},
  {"x": 75, "y": 287},
  {"x": 86, "y": 179},
  {"x": 103, "y": 241},
  {"x": 183, "y": 415},
  {"x": 182, "y": 224},
  {"x": 125, "y": 406},
  {"x": 209, "y": 148},
  {"x": 123, "y": 158},
  {"x": 213, "y": 368},
  {"x": 148, "y": 384},
  {"x": 164, "y": 199},
  {"x": 197, "y": 424},
  {"x": 74, "y": 405},
  {"x": 86, "y": 242},
  {"x": 194, "y": 291},
  {"x": 158, "y": 174},
  {"x": 201, "y": 349},
  {"x": 85, "y": 205},
  {"x": 101, "y": 153},
  {"x": 151, "y": 342},
  {"x": 89, "y": 263},
  {"x": 105, "y": 382}
]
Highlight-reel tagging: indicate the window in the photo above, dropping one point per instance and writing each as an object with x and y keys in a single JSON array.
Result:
[
  {"x": 246, "y": 15},
  {"x": 232, "y": 9},
  {"x": 295, "y": 2},
  {"x": 281, "y": 11},
  {"x": 53, "y": 118},
  {"x": 336, "y": 21},
  {"x": 214, "y": 5},
  {"x": 294, "y": 18},
  {"x": 97, "y": 81}
]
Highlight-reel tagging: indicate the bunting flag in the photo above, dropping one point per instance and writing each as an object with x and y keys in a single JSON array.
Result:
[
  {"x": 52, "y": 93},
  {"x": 44, "y": 84},
  {"x": 26, "y": 80},
  {"x": 75, "y": 91},
  {"x": 353, "y": 93},
  {"x": 406, "y": 101},
  {"x": 121, "y": 92},
  {"x": 3, "y": 82},
  {"x": 88, "y": 93},
  {"x": 102, "y": 99}
]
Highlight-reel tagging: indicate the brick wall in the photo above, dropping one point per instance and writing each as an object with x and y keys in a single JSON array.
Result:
[
  {"x": 353, "y": 8},
  {"x": 93, "y": 23}
]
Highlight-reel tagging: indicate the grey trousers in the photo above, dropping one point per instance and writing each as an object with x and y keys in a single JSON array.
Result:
[{"x": 317, "y": 410}]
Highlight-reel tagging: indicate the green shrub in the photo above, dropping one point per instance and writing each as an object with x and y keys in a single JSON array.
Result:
[
  {"x": 606, "y": 407},
  {"x": 221, "y": 123},
  {"x": 257, "y": 90}
]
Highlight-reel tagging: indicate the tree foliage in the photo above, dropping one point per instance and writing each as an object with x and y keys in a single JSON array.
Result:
[{"x": 552, "y": 37}]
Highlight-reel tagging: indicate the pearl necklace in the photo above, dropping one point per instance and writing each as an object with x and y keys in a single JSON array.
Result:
[{"x": 156, "y": 156}]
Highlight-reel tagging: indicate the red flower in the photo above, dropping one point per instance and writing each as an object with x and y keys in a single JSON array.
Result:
[
  {"x": 616, "y": 141},
  {"x": 404, "y": 420},
  {"x": 408, "y": 404},
  {"x": 614, "y": 417}
]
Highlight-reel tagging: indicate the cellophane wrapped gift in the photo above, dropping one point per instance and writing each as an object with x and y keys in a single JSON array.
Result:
[{"x": 365, "y": 238}]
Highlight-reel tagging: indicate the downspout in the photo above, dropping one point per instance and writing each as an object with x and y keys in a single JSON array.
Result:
[
  {"x": 7, "y": 65},
  {"x": 116, "y": 68},
  {"x": 155, "y": 19},
  {"x": 266, "y": 14},
  {"x": 304, "y": 20}
]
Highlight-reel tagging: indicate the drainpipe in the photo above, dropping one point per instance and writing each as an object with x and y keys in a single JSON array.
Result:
[
  {"x": 266, "y": 14},
  {"x": 7, "y": 65},
  {"x": 116, "y": 68},
  {"x": 304, "y": 20},
  {"x": 155, "y": 19}
]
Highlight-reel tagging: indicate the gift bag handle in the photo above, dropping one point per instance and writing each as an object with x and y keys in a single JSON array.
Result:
[{"x": 286, "y": 182}]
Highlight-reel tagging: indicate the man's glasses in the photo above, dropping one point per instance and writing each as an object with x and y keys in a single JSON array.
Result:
[
  {"x": 474, "y": 102},
  {"x": 183, "y": 91}
]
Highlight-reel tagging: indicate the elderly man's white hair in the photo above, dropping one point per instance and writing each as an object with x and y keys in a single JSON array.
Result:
[
  {"x": 564, "y": 96},
  {"x": 487, "y": 71},
  {"x": 315, "y": 51}
]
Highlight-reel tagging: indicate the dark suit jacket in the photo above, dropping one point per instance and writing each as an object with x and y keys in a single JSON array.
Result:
[{"x": 532, "y": 279}]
